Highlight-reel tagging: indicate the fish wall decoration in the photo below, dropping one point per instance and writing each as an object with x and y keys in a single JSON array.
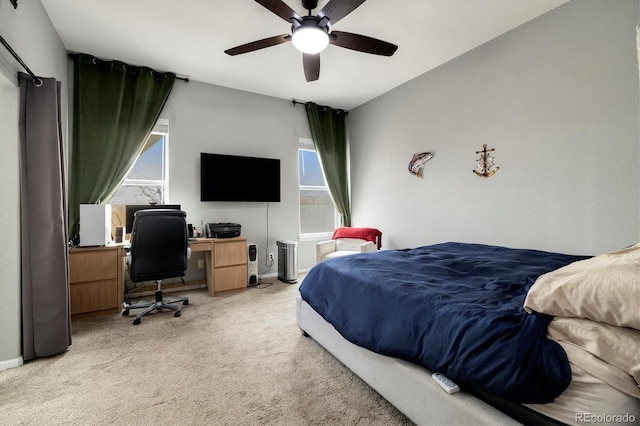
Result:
[{"x": 418, "y": 161}]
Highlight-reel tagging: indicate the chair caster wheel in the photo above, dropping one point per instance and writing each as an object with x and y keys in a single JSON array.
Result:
[
  {"x": 136, "y": 321},
  {"x": 125, "y": 312},
  {"x": 186, "y": 302},
  {"x": 177, "y": 314}
]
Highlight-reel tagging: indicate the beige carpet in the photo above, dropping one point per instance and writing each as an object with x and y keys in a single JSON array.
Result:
[{"x": 236, "y": 359}]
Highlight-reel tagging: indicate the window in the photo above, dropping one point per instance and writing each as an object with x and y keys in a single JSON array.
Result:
[
  {"x": 147, "y": 181},
  {"x": 317, "y": 211}
]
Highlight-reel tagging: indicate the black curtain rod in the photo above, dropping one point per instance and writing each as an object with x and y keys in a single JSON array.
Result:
[
  {"x": 72, "y": 54},
  {"x": 37, "y": 81},
  {"x": 294, "y": 102}
]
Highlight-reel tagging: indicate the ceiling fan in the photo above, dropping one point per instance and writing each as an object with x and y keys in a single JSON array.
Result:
[{"x": 311, "y": 34}]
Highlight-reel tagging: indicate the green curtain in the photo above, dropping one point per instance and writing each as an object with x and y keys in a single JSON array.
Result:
[
  {"x": 329, "y": 134},
  {"x": 115, "y": 107}
]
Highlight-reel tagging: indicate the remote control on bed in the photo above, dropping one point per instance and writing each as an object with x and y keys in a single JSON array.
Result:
[{"x": 445, "y": 383}]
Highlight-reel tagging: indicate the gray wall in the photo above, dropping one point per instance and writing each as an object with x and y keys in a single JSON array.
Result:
[
  {"x": 558, "y": 100},
  {"x": 213, "y": 119},
  {"x": 30, "y": 33}
]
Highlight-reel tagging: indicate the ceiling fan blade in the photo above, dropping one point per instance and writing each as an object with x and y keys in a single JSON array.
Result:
[
  {"x": 335, "y": 10},
  {"x": 311, "y": 63},
  {"x": 258, "y": 44},
  {"x": 362, "y": 43},
  {"x": 280, "y": 8}
]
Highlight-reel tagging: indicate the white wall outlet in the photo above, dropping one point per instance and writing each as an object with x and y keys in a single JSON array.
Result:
[
  {"x": 200, "y": 263},
  {"x": 271, "y": 257}
]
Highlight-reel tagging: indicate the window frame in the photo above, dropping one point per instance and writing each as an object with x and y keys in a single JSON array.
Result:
[
  {"x": 306, "y": 144},
  {"x": 160, "y": 128}
]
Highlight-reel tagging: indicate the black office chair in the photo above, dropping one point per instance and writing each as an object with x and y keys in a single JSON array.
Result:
[{"x": 159, "y": 250}]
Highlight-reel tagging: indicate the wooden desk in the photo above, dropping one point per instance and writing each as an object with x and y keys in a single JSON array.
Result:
[
  {"x": 97, "y": 274},
  {"x": 230, "y": 267},
  {"x": 225, "y": 263},
  {"x": 206, "y": 246},
  {"x": 96, "y": 279}
]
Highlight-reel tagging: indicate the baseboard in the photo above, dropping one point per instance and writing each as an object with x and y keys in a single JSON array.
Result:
[
  {"x": 272, "y": 275},
  {"x": 11, "y": 363},
  {"x": 275, "y": 274},
  {"x": 301, "y": 274},
  {"x": 150, "y": 291}
]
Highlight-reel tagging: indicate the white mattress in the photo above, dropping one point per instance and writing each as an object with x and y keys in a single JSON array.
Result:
[{"x": 410, "y": 388}]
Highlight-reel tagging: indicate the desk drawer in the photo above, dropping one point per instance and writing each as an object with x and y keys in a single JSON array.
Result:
[
  {"x": 231, "y": 278},
  {"x": 93, "y": 265},
  {"x": 230, "y": 253},
  {"x": 94, "y": 296}
]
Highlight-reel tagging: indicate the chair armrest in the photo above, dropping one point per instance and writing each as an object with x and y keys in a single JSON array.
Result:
[
  {"x": 368, "y": 247},
  {"x": 323, "y": 248}
]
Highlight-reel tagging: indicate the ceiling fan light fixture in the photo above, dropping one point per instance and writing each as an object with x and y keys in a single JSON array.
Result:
[
  {"x": 312, "y": 33},
  {"x": 308, "y": 39}
]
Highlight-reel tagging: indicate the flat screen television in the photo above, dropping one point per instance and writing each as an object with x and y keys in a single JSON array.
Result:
[
  {"x": 131, "y": 209},
  {"x": 238, "y": 178}
]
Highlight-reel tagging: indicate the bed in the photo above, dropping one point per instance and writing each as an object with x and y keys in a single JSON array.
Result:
[{"x": 530, "y": 337}]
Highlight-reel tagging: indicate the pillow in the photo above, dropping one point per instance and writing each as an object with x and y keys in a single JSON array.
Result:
[{"x": 604, "y": 288}]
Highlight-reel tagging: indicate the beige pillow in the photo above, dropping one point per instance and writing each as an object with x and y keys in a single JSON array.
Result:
[{"x": 605, "y": 288}]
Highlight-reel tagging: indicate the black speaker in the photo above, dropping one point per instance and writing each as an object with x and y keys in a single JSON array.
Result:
[
  {"x": 120, "y": 232},
  {"x": 190, "y": 227}
]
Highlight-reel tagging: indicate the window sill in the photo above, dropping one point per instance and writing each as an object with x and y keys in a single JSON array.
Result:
[{"x": 320, "y": 236}]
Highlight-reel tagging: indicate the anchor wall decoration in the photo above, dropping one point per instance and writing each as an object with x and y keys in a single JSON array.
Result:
[{"x": 485, "y": 167}]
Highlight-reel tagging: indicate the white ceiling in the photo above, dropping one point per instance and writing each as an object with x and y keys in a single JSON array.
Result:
[{"x": 189, "y": 37}]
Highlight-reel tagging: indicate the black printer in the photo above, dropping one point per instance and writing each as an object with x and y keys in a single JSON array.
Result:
[{"x": 222, "y": 230}]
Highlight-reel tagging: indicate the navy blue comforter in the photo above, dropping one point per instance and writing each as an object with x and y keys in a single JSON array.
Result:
[{"x": 454, "y": 308}]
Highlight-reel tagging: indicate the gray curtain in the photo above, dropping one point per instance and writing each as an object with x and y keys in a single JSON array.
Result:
[{"x": 46, "y": 317}]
